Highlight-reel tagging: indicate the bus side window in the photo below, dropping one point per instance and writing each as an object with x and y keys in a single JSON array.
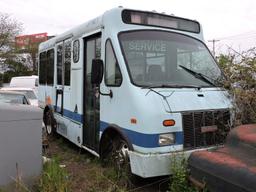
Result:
[
  {"x": 113, "y": 76},
  {"x": 36, "y": 82},
  {"x": 76, "y": 49},
  {"x": 67, "y": 62},
  {"x": 42, "y": 68},
  {"x": 59, "y": 64},
  {"x": 50, "y": 67}
]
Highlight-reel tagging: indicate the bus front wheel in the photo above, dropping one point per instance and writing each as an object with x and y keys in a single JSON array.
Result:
[
  {"x": 119, "y": 154},
  {"x": 115, "y": 153}
]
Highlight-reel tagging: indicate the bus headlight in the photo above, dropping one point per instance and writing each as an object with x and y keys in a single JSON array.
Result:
[{"x": 166, "y": 139}]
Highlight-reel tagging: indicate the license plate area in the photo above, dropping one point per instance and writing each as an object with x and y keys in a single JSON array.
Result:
[{"x": 209, "y": 129}]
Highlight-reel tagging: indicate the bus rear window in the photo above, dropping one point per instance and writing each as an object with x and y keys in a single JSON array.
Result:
[{"x": 160, "y": 20}]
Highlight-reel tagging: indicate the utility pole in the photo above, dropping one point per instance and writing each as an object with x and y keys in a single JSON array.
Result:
[{"x": 213, "y": 41}]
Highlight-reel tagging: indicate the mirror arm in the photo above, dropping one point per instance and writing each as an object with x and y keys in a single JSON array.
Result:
[{"x": 110, "y": 94}]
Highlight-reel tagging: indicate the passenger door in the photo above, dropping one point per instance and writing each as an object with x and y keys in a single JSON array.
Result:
[
  {"x": 91, "y": 104},
  {"x": 63, "y": 77},
  {"x": 60, "y": 82}
]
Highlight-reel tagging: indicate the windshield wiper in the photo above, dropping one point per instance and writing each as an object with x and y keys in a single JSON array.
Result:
[
  {"x": 198, "y": 75},
  {"x": 170, "y": 86}
]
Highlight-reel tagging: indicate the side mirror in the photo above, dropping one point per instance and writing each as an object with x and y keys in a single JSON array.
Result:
[{"x": 97, "y": 71}]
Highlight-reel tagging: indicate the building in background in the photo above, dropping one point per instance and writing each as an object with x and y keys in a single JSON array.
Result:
[
  {"x": 22, "y": 59},
  {"x": 28, "y": 44}
]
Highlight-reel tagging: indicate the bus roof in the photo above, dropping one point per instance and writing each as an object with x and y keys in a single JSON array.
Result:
[{"x": 98, "y": 23}]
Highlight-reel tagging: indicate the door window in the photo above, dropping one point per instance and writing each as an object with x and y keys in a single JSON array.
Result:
[
  {"x": 67, "y": 61},
  {"x": 113, "y": 76},
  {"x": 59, "y": 64}
]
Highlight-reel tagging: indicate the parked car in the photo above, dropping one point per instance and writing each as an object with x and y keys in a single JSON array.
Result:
[
  {"x": 13, "y": 97},
  {"x": 20, "y": 141},
  {"x": 25, "y": 81},
  {"x": 29, "y": 92}
]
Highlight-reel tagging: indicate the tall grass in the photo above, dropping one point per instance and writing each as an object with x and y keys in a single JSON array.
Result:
[
  {"x": 179, "y": 178},
  {"x": 54, "y": 178}
]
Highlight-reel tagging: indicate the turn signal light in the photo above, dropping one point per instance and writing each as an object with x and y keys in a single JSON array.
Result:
[
  {"x": 168, "y": 122},
  {"x": 133, "y": 121}
]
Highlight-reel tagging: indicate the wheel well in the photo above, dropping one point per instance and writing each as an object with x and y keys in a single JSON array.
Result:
[{"x": 109, "y": 134}]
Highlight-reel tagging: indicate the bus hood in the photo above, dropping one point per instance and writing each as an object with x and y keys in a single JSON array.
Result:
[{"x": 192, "y": 100}]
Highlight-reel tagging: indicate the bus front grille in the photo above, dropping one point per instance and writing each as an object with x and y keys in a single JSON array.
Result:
[{"x": 205, "y": 128}]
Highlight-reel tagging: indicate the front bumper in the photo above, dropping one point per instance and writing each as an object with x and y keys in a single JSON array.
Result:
[{"x": 156, "y": 164}]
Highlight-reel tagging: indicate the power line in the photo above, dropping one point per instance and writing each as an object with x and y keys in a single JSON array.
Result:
[
  {"x": 245, "y": 37},
  {"x": 249, "y": 33},
  {"x": 240, "y": 38},
  {"x": 213, "y": 45}
]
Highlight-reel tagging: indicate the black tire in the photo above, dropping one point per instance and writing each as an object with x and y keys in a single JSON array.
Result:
[
  {"x": 115, "y": 152},
  {"x": 116, "y": 155},
  {"x": 119, "y": 153}
]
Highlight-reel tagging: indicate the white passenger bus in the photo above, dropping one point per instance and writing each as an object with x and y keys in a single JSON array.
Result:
[{"x": 134, "y": 87}]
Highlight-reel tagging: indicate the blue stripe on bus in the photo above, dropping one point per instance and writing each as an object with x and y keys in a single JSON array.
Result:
[
  {"x": 142, "y": 139},
  {"x": 136, "y": 138},
  {"x": 70, "y": 114},
  {"x": 73, "y": 116}
]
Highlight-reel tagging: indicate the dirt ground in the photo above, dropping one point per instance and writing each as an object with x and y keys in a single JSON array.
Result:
[{"x": 87, "y": 174}]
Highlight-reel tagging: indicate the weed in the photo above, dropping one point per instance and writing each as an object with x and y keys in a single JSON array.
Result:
[
  {"x": 107, "y": 179},
  {"x": 54, "y": 178},
  {"x": 15, "y": 187},
  {"x": 240, "y": 71},
  {"x": 84, "y": 171},
  {"x": 179, "y": 179}
]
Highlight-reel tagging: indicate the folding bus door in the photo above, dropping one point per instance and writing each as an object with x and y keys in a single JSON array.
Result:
[
  {"x": 60, "y": 79},
  {"x": 63, "y": 90},
  {"x": 92, "y": 47}
]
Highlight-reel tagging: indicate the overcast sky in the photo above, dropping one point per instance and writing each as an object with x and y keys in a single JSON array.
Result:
[{"x": 233, "y": 22}]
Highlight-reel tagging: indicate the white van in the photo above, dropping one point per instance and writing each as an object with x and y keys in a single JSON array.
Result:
[{"x": 25, "y": 82}]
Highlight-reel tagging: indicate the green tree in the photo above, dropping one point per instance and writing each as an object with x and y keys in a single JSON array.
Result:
[
  {"x": 240, "y": 71},
  {"x": 9, "y": 29},
  {"x": 10, "y": 62}
]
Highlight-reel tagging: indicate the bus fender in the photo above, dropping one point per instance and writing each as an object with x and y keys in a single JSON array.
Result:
[{"x": 113, "y": 130}]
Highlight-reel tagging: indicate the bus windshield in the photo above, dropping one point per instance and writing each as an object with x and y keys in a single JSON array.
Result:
[{"x": 160, "y": 58}]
